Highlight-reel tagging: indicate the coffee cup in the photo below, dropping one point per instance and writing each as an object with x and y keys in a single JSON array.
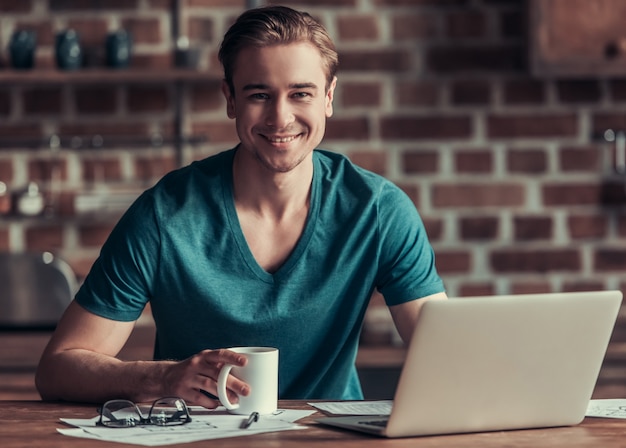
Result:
[{"x": 260, "y": 373}]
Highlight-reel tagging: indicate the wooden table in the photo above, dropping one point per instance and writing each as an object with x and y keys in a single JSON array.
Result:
[{"x": 33, "y": 424}]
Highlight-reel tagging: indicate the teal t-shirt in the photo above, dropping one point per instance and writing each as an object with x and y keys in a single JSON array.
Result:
[{"x": 180, "y": 248}]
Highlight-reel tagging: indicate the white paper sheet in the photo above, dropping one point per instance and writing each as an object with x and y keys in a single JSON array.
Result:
[
  {"x": 205, "y": 425},
  {"x": 377, "y": 407},
  {"x": 609, "y": 408}
]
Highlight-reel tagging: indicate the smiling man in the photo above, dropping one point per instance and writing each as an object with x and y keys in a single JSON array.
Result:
[{"x": 272, "y": 243}]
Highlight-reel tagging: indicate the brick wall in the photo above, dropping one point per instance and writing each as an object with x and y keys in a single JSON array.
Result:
[{"x": 516, "y": 194}]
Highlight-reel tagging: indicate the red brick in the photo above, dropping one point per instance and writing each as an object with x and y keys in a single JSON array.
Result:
[
  {"x": 608, "y": 120},
  {"x": 153, "y": 60},
  {"x": 12, "y": 6},
  {"x": 460, "y": 59},
  {"x": 144, "y": 31},
  {"x": 101, "y": 169},
  {"x": 529, "y": 161},
  {"x": 434, "y": 228},
  {"x": 584, "y": 159},
  {"x": 41, "y": 169},
  {"x": 587, "y": 226},
  {"x": 609, "y": 260},
  {"x": 414, "y": 26},
  {"x": 478, "y": 195},
  {"x": 206, "y": 96},
  {"x": 535, "y": 260},
  {"x": 6, "y": 171},
  {"x": 530, "y": 287},
  {"x": 5, "y": 242},
  {"x": 583, "y": 285},
  {"x": 524, "y": 91},
  {"x": 358, "y": 27},
  {"x": 91, "y": 32},
  {"x": 148, "y": 99},
  {"x": 530, "y": 228},
  {"x": 476, "y": 289},
  {"x": 201, "y": 29},
  {"x": 127, "y": 128},
  {"x": 44, "y": 237},
  {"x": 571, "y": 194},
  {"x": 473, "y": 161},
  {"x": 612, "y": 193},
  {"x": 420, "y": 161},
  {"x": 216, "y": 131},
  {"x": 94, "y": 235},
  {"x": 417, "y": 93},
  {"x": 375, "y": 161},
  {"x": 618, "y": 89},
  {"x": 479, "y": 228},
  {"x": 453, "y": 262},
  {"x": 578, "y": 91},
  {"x": 154, "y": 167},
  {"x": 355, "y": 94},
  {"x": 375, "y": 60},
  {"x": 25, "y": 130},
  {"x": 473, "y": 92},
  {"x": 42, "y": 101},
  {"x": 425, "y": 127},
  {"x": 210, "y": 3},
  {"x": 535, "y": 125},
  {"x": 418, "y": 3},
  {"x": 87, "y": 5},
  {"x": 356, "y": 128},
  {"x": 466, "y": 24},
  {"x": 96, "y": 99},
  {"x": 5, "y": 102}
]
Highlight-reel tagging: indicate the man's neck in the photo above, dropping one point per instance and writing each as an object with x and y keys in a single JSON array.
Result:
[{"x": 275, "y": 196}]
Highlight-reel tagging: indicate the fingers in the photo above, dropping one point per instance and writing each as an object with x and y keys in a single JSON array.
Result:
[{"x": 195, "y": 379}]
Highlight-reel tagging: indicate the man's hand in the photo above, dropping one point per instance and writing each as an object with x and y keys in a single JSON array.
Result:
[{"x": 192, "y": 378}]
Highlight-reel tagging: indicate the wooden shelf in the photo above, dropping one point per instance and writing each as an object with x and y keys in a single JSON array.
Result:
[{"x": 103, "y": 75}]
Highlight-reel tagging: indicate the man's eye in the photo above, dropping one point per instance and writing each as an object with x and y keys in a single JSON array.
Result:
[
  {"x": 259, "y": 96},
  {"x": 302, "y": 94}
]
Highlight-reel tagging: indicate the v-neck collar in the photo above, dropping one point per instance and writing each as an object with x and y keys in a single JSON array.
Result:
[{"x": 240, "y": 239}]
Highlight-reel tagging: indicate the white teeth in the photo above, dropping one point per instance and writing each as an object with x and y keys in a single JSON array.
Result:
[{"x": 281, "y": 139}]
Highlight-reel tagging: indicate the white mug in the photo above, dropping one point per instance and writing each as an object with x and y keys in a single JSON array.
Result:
[{"x": 261, "y": 373}]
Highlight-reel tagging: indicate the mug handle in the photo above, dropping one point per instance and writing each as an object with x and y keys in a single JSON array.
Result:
[{"x": 221, "y": 388}]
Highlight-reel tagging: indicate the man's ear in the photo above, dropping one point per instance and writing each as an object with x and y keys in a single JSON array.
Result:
[
  {"x": 330, "y": 94},
  {"x": 230, "y": 99}
]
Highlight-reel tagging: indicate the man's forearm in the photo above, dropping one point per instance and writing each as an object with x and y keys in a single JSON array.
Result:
[{"x": 84, "y": 376}]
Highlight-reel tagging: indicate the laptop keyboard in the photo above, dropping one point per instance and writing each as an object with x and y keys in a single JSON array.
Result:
[{"x": 379, "y": 423}]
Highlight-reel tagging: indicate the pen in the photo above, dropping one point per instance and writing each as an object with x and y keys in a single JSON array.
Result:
[{"x": 254, "y": 417}]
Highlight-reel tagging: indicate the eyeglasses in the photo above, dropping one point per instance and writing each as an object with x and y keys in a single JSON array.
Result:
[{"x": 168, "y": 411}]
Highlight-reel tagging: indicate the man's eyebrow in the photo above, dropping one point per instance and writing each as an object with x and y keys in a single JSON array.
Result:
[{"x": 299, "y": 85}]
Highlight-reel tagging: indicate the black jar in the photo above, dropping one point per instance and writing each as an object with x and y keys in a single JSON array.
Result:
[
  {"x": 22, "y": 49},
  {"x": 119, "y": 45},
  {"x": 69, "y": 54}
]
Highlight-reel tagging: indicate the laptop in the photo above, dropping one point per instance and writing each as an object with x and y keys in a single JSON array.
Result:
[{"x": 498, "y": 363}]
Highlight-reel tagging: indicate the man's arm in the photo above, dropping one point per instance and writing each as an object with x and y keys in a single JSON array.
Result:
[
  {"x": 80, "y": 364},
  {"x": 405, "y": 315}
]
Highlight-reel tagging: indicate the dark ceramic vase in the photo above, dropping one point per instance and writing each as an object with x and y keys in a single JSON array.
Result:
[
  {"x": 69, "y": 54},
  {"x": 119, "y": 49},
  {"x": 22, "y": 49}
]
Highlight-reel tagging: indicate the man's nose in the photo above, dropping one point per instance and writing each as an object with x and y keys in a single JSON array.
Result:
[{"x": 279, "y": 114}]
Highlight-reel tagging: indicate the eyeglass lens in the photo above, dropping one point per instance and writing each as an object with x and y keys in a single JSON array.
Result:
[{"x": 163, "y": 412}]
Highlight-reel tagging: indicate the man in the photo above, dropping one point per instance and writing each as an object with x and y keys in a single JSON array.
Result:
[{"x": 272, "y": 243}]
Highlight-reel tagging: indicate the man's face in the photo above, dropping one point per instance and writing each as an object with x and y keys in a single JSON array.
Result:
[{"x": 280, "y": 103}]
